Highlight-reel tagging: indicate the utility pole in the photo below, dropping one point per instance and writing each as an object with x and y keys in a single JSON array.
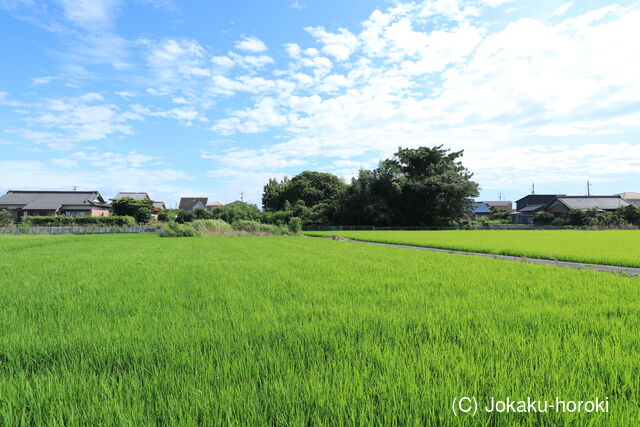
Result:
[
  {"x": 533, "y": 188},
  {"x": 242, "y": 196},
  {"x": 75, "y": 188},
  {"x": 588, "y": 188},
  {"x": 500, "y": 196}
]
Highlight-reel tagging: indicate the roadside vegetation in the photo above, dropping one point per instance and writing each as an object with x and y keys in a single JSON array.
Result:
[
  {"x": 137, "y": 330},
  {"x": 214, "y": 227},
  {"x": 613, "y": 247}
]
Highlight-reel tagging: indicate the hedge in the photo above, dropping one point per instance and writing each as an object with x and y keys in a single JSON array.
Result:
[{"x": 48, "y": 221}]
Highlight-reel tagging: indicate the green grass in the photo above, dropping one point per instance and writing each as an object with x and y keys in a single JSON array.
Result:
[
  {"x": 140, "y": 330},
  {"x": 612, "y": 247}
]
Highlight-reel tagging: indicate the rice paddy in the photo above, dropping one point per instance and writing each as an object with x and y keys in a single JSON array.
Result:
[
  {"x": 141, "y": 330},
  {"x": 611, "y": 247}
]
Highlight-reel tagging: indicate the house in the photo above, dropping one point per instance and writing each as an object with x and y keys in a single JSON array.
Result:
[
  {"x": 631, "y": 197},
  {"x": 192, "y": 203},
  {"x": 158, "y": 206},
  {"x": 561, "y": 206},
  {"x": 484, "y": 209},
  {"x": 503, "y": 205},
  {"x": 480, "y": 210},
  {"x": 530, "y": 205},
  {"x": 54, "y": 203},
  {"x": 213, "y": 205},
  {"x": 131, "y": 195}
]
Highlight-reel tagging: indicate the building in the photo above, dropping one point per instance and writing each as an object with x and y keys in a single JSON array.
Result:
[
  {"x": 213, "y": 205},
  {"x": 631, "y": 197},
  {"x": 530, "y": 205},
  {"x": 131, "y": 195},
  {"x": 54, "y": 203},
  {"x": 158, "y": 206},
  {"x": 561, "y": 206},
  {"x": 192, "y": 203},
  {"x": 484, "y": 208}
]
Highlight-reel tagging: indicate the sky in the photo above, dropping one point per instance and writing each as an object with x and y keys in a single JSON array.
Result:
[{"x": 195, "y": 98}]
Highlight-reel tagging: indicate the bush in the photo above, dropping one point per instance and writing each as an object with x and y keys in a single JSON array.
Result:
[
  {"x": 543, "y": 218},
  {"x": 183, "y": 217},
  {"x": 174, "y": 229},
  {"x": 295, "y": 225},
  {"x": 259, "y": 228},
  {"x": 237, "y": 211},
  {"x": 5, "y": 218},
  {"x": 211, "y": 226},
  {"x": 143, "y": 215}
]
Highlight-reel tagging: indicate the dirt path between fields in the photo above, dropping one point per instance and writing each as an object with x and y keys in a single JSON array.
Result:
[{"x": 627, "y": 271}]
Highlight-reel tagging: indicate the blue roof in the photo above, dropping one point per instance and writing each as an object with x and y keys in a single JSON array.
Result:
[{"x": 481, "y": 208}]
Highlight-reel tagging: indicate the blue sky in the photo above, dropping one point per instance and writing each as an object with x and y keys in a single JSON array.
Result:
[{"x": 196, "y": 98}]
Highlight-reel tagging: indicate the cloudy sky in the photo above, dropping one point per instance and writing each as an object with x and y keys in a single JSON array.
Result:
[{"x": 213, "y": 98}]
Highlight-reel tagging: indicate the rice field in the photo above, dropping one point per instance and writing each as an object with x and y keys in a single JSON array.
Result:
[
  {"x": 611, "y": 247},
  {"x": 141, "y": 330}
]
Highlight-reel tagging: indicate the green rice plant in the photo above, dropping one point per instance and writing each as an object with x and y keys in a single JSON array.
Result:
[
  {"x": 138, "y": 330},
  {"x": 612, "y": 247}
]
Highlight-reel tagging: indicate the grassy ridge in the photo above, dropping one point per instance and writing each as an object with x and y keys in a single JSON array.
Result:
[
  {"x": 612, "y": 247},
  {"x": 136, "y": 330}
]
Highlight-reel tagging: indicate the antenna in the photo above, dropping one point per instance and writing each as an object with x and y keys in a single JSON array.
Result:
[
  {"x": 533, "y": 188},
  {"x": 588, "y": 188},
  {"x": 242, "y": 196},
  {"x": 75, "y": 188}
]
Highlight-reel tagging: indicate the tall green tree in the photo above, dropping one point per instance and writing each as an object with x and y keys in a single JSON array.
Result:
[
  {"x": 416, "y": 187},
  {"x": 139, "y": 209}
]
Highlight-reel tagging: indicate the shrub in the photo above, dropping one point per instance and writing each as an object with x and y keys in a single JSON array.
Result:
[
  {"x": 259, "y": 228},
  {"x": 211, "y": 226},
  {"x": 295, "y": 225},
  {"x": 174, "y": 229},
  {"x": 143, "y": 215},
  {"x": 163, "y": 216},
  {"x": 5, "y": 218},
  {"x": 102, "y": 221},
  {"x": 543, "y": 218},
  {"x": 184, "y": 217}
]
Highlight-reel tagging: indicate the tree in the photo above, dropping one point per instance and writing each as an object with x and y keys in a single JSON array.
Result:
[
  {"x": 5, "y": 218},
  {"x": 631, "y": 214},
  {"x": 143, "y": 215},
  {"x": 163, "y": 216},
  {"x": 273, "y": 194},
  {"x": 422, "y": 186},
  {"x": 499, "y": 214},
  {"x": 184, "y": 216},
  {"x": 139, "y": 209},
  {"x": 543, "y": 218},
  {"x": 313, "y": 188},
  {"x": 236, "y": 211},
  {"x": 201, "y": 213}
]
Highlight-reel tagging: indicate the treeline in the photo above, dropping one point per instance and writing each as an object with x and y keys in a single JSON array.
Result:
[
  {"x": 416, "y": 187},
  {"x": 628, "y": 215}
]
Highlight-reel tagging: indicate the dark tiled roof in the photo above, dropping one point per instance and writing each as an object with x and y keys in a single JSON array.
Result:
[
  {"x": 532, "y": 208},
  {"x": 51, "y": 200},
  {"x": 590, "y": 202},
  {"x": 136, "y": 196},
  {"x": 187, "y": 203}
]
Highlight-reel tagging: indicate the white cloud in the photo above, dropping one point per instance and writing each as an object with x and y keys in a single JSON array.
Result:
[
  {"x": 340, "y": 45},
  {"x": 90, "y": 14},
  {"x": 562, "y": 9},
  {"x": 42, "y": 80},
  {"x": 251, "y": 44},
  {"x": 65, "y": 122},
  {"x": 458, "y": 85}
]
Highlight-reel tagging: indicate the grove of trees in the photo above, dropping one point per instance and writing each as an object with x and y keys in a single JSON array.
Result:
[{"x": 416, "y": 187}]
